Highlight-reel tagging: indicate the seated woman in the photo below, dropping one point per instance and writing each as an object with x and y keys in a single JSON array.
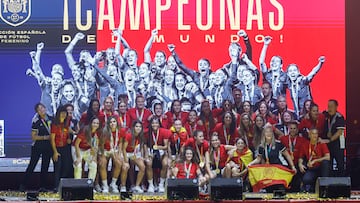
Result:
[
  {"x": 133, "y": 148},
  {"x": 111, "y": 148},
  {"x": 239, "y": 159},
  {"x": 314, "y": 161},
  {"x": 85, "y": 147},
  {"x": 177, "y": 139},
  {"x": 218, "y": 157},
  {"x": 188, "y": 168},
  {"x": 272, "y": 152}
]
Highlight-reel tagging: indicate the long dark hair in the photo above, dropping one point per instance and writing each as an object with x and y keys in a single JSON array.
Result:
[
  {"x": 56, "y": 119},
  {"x": 150, "y": 138},
  {"x": 233, "y": 121},
  {"x": 89, "y": 112},
  {"x": 106, "y": 131},
  {"x": 87, "y": 129},
  {"x": 204, "y": 117},
  {"x": 140, "y": 136},
  {"x": 194, "y": 159}
]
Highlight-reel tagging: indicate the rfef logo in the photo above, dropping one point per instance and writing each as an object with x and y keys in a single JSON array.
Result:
[{"x": 15, "y": 12}]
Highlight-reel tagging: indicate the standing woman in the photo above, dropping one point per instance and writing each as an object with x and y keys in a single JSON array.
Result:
[
  {"x": 111, "y": 148},
  {"x": 158, "y": 112},
  {"x": 258, "y": 131},
  {"x": 246, "y": 130},
  {"x": 206, "y": 119},
  {"x": 93, "y": 110},
  {"x": 156, "y": 156},
  {"x": 226, "y": 130},
  {"x": 85, "y": 147},
  {"x": 123, "y": 116},
  {"x": 40, "y": 135},
  {"x": 108, "y": 109},
  {"x": 59, "y": 138},
  {"x": 265, "y": 113},
  {"x": 175, "y": 113},
  {"x": 133, "y": 150},
  {"x": 191, "y": 123}
]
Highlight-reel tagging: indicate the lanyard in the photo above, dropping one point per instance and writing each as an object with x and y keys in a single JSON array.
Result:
[
  {"x": 123, "y": 121},
  {"x": 200, "y": 152},
  {"x": 312, "y": 152},
  {"x": 217, "y": 158},
  {"x": 227, "y": 137},
  {"x": 140, "y": 117},
  {"x": 47, "y": 126},
  {"x": 155, "y": 139},
  {"x": 292, "y": 144},
  {"x": 94, "y": 141},
  {"x": 187, "y": 170},
  {"x": 114, "y": 145},
  {"x": 267, "y": 153}
]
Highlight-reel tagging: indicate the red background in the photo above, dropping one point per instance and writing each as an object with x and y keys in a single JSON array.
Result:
[{"x": 311, "y": 29}]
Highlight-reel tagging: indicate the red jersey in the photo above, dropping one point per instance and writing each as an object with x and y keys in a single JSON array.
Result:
[
  {"x": 84, "y": 119},
  {"x": 224, "y": 134},
  {"x": 319, "y": 124},
  {"x": 219, "y": 157},
  {"x": 174, "y": 136},
  {"x": 136, "y": 114},
  {"x": 190, "y": 128},
  {"x": 107, "y": 114},
  {"x": 186, "y": 170},
  {"x": 157, "y": 138},
  {"x": 310, "y": 151},
  {"x": 61, "y": 134},
  {"x": 171, "y": 117},
  {"x": 131, "y": 146},
  {"x": 199, "y": 149},
  {"x": 116, "y": 139},
  {"x": 293, "y": 145},
  {"x": 84, "y": 144}
]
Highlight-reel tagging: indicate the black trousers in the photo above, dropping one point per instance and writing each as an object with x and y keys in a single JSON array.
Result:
[
  {"x": 337, "y": 154},
  {"x": 63, "y": 166},
  {"x": 43, "y": 149}
]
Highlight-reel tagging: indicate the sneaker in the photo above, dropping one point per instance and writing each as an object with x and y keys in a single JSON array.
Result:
[
  {"x": 123, "y": 189},
  {"x": 97, "y": 188},
  {"x": 114, "y": 188},
  {"x": 151, "y": 189},
  {"x": 105, "y": 189},
  {"x": 137, "y": 189},
  {"x": 161, "y": 189}
]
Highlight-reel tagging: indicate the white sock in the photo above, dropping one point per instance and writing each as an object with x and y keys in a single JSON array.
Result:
[
  {"x": 114, "y": 181},
  {"x": 104, "y": 183},
  {"x": 162, "y": 181},
  {"x": 151, "y": 182}
]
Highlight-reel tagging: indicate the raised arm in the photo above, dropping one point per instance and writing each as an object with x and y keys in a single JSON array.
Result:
[
  {"x": 316, "y": 69},
  {"x": 147, "y": 56},
  {"x": 68, "y": 51},
  {"x": 262, "y": 64},
  {"x": 39, "y": 48},
  {"x": 181, "y": 65},
  {"x": 244, "y": 35},
  {"x": 118, "y": 34}
]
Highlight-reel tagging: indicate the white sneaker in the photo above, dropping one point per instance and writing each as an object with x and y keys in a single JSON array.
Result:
[
  {"x": 137, "y": 189},
  {"x": 123, "y": 189},
  {"x": 151, "y": 189},
  {"x": 97, "y": 188},
  {"x": 114, "y": 188},
  {"x": 161, "y": 188},
  {"x": 105, "y": 189}
]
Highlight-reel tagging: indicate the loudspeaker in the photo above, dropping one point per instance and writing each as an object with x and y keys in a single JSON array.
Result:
[
  {"x": 333, "y": 187},
  {"x": 226, "y": 188},
  {"x": 182, "y": 189},
  {"x": 76, "y": 189}
]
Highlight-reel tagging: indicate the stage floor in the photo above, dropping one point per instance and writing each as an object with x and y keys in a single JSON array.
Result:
[{"x": 15, "y": 196}]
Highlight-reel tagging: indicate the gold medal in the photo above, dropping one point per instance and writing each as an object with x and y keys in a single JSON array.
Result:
[
  {"x": 201, "y": 164},
  {"x": 217, "y": 171},
  {"x": 155, "y": 147}
]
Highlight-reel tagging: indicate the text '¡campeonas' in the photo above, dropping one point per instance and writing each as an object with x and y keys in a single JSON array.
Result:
[{"x": 138, "y": 9}]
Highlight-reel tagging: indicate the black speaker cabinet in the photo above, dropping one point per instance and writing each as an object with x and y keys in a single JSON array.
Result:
[
  {"x": 333, "y": 187},
  {"x": 226, "y": 189},
  {"x": 182, "y": 189},
  {"x": 76, "y": 189}
]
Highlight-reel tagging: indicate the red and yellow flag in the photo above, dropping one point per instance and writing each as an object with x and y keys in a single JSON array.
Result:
[{"x": 265, "y": 175}]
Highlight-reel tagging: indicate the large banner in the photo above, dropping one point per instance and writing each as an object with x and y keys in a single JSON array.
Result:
[{"x": 308, "y": 38}]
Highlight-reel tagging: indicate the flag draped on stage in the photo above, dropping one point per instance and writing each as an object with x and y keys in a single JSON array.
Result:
[{"x": 265, "y": 175}]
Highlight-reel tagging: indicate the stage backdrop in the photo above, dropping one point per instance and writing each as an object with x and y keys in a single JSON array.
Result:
[{"x": 301, "y": 32}]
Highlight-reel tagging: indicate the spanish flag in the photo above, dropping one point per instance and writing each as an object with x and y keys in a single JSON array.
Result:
[
  {"x": 245, "y": 157},
  {"x": 265, "y": 175}
]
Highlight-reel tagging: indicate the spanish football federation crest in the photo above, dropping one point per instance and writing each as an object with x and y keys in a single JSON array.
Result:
[{"x": 15, "y": 12}]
